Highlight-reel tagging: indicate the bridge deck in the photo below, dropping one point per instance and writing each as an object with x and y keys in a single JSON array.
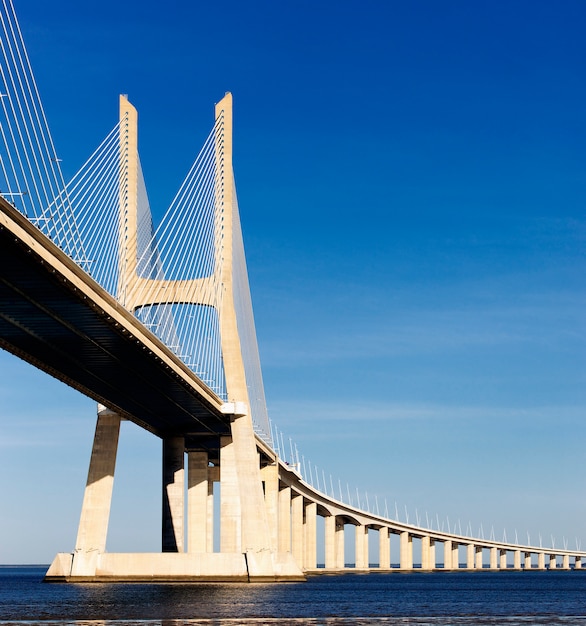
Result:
[{"x": 53, "y": 315}]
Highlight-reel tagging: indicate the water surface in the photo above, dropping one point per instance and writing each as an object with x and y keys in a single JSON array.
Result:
[{"x": 435, "y": 599}]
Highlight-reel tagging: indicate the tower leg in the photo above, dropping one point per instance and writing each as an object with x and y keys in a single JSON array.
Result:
[
  {"x": 244, "y": 525},
  {"x": 230, "y": 516},
  {"x": 256, "y": 536}
]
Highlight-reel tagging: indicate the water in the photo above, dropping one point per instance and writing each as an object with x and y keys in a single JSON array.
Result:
[{"x": 434, "y": 599}]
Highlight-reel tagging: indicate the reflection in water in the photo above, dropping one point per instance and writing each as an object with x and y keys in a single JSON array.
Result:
[
  {"x": 441, "y": 599},
  {"x": 322, "y": 621}
]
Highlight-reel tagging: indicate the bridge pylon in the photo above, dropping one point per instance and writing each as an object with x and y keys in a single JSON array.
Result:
[{"x": 248, "y": 542}]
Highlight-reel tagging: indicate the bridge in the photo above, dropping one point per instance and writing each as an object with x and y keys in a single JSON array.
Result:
[{"x": 156, "y": 325}]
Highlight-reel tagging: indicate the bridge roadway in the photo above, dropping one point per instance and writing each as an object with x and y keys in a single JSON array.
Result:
[
  {"x": 55, "y": 316},
  {"x": 298, "y": 532}
]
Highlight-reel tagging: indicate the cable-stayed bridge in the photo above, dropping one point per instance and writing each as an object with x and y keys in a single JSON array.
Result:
[{"x": 156, "y": 325}]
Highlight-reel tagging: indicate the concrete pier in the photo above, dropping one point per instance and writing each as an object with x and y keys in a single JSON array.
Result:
[
  {"x": 173, "y": 494},
  {"x": 95, "y": 510},
  {"x": 406, "y": 551},
  {"x": 197, "y": 501}
]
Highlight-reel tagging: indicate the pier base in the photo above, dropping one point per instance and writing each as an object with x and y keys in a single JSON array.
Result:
[{"x": 174, "y": 567}]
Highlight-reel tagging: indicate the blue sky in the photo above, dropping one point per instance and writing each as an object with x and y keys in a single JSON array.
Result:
[{"x": 411, "y": 181}]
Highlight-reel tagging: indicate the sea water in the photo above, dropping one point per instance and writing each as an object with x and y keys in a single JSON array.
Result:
[{"x": 435, "y": 599}]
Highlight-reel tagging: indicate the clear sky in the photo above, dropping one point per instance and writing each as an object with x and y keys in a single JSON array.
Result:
[{"x": 412, "y": 182}]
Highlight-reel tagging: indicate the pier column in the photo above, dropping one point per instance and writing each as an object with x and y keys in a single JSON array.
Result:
[
  {"x": 361, "y": 547},
  {"x": 493, "y": 558},
  {"x": 97, "y": 499},
  {"x": 455, "y": 555},
  {"x": 425, "y": 556},
  {"x": 230, "y": 511},
  {"x": 470, "y": 554},
  {"x": 285, "y": 519},
  {"x": 541, "y": 560},
  {"x": 432, "y": 559},
  {"x": 310, "y": 531},
  {"x": 213, "y": 477},
  {"x": 503, "y": 559},
  {"x": 552, "y": 561},
  {"x": 406, "y": 551},
  {"x": 517, "y": 559},
  {"x": 366, "y": 556},
  {"x": 577, "y": 562},
  {"x": 478, "y": 564},
  {"x": 527, "y": 561},
  {"x": 340, "y": 548},
  {"x": 566, "y": 561},
  {"x": 173, "y": 493},
  {"x": 270, "y": 476},
  {"x": 448, "y": 554},
  {"x": 330, "y": 547},
  {"x": 197, "y": 501},
  {"x": 297, "y": 543},
  {"x": 384, "y": 548}
]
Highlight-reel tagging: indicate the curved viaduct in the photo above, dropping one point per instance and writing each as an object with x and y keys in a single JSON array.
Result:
[{"x": 459, "y": 551}]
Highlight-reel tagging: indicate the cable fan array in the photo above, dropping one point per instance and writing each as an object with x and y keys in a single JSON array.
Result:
[
  {"x": 30, "y": 172},
  {"x": 177, "y": 292},
  {"x": 94, "y": 193},
  {"x": 171, "y": 280}
]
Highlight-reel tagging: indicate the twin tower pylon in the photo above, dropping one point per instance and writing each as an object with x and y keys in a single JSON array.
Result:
[{"x": 247, "y": 538}]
